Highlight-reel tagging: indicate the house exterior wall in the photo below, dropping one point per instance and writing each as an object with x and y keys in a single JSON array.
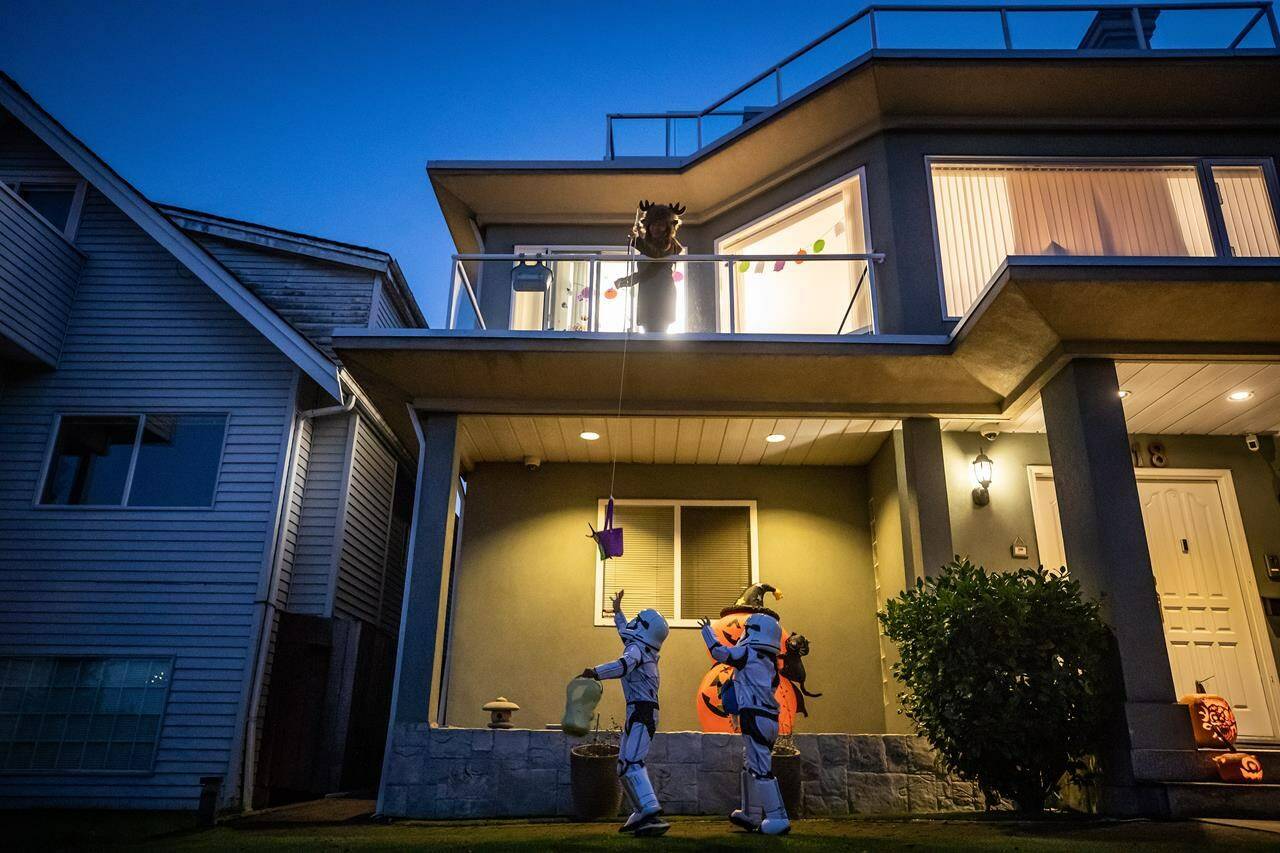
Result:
[
  {"x": 521, "y": 620},
  {"x": 38, "y": 274},
  {"x": 145, "y": 336},
  {"x": 319, "y": 533},
  {"x": 362, "y": 560}
]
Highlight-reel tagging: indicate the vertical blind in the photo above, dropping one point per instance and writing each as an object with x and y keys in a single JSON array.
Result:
[
  {"x": 714, "y": 549},
  {"x": 1246, "y": 209},
  {"x": 988, "y": 212}
]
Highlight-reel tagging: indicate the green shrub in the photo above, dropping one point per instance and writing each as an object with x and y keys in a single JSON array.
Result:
[{"x": 1006, "y": 675}]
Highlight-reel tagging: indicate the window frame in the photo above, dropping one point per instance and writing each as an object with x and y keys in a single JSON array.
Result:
[
  {"x": 602, "y": 619},
  {"x": 1203, "y": 167},
  {"x": 759, "y": 223},
  {"x": 52, "y": 446},
  {"x": 80, "y": 187},
  {"x": 81, "y": 771}
]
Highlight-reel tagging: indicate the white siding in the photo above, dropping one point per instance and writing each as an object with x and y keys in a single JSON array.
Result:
[
  {"x": 38, "y": 274},
  {"x": 315, "y": 555},
  {"x": 362, "y": 560},
  {"x": 385, "y": 315},
  {"x": 144, "y": 335}
]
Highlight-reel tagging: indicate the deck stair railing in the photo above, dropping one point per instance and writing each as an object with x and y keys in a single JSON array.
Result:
[{"x": 1041, "y": 29}]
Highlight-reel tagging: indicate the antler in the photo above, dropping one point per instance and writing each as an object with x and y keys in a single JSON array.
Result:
[
  {"x": 677, "y": 208},
  {"x": 646, "y": 204}
]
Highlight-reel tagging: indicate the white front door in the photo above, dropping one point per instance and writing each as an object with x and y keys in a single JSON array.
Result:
[{"x": 1202, "y": 595}]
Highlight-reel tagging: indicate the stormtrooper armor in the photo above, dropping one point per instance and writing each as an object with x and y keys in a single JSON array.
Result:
[
  {"x": 754, "y": 659},
  {"x": 637, "y": 668}
]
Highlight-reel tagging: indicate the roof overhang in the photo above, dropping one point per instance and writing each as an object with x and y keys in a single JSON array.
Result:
[
  {"x": 1037, "y": 314},
  {"x": 883, "y": 90}
]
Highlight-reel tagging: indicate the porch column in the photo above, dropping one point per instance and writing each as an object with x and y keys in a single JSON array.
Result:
[
  {"x": 922, "y": 498},
  {"x": 1106, "y": 549},
  {"x": 415, "y": 695}
]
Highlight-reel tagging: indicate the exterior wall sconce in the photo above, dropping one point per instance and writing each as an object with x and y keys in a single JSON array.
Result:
[{"x": 983, "y": 468}]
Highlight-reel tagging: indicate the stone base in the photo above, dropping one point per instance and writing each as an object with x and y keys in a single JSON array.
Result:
[{"x": 472, "y": 773}]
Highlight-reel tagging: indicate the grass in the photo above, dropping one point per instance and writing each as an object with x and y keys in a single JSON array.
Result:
[{"x": 47, "y": 832}]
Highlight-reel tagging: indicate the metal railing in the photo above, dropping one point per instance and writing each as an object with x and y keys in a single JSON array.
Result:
[
  {"x": 1036, "y": 29},
  {"x": 733, "y": 294}
]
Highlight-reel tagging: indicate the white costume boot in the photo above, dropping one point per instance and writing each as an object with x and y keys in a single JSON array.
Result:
[
  {"x": 749, "y": 816},
  {"x": 769, "y": 797},
  {"x": 646, "y": 820}
]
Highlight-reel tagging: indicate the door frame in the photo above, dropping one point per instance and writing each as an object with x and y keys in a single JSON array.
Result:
[{"x": 1255, "y": 619}]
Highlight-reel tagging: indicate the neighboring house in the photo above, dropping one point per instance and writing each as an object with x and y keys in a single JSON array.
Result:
[
  {"x": 1064, "y": 238},
  {"x": 203, "y": 519}
]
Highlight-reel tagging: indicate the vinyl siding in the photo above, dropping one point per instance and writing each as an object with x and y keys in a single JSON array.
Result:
[
  {"x": 315, "y": 554},
  {"x": 385, "y": 315},
  {"x": 38, "y": 274},
  {"x": 313, "y": 296},
  {"x": 144, "y": 335},
  {"x": 23, "y": 155},
  {"x": 362, "y": 559}
]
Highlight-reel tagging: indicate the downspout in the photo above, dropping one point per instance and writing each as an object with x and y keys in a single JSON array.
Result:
[{"x": 267, "y": 605}]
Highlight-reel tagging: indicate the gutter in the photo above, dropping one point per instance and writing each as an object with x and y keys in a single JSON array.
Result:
[{"x": 267, "y": 603}]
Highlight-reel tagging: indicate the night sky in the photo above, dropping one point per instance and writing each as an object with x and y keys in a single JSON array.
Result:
[{"x": 320, "y": 117}]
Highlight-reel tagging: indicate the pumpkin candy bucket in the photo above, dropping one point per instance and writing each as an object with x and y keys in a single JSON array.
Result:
[{"x": 608, "y": 538}]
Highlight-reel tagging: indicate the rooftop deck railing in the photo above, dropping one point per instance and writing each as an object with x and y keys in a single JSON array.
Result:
[
  {"x": 796, "y": 294},
  {"x": 1081, "y": 29}
]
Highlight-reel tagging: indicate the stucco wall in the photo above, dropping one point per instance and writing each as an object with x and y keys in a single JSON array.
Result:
[{"x": 524, "y": 585}]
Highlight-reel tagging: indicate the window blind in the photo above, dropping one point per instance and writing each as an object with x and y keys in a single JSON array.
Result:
[
  {"x": 715, "y": 558},
  {"x": 646, "y": 570}
]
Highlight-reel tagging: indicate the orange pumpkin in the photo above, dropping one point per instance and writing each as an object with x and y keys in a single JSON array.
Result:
[
  {"x": 1238, "y": 767},
  {"x": 711, "y": 714},
  {"x": 1212, "y": 721}
]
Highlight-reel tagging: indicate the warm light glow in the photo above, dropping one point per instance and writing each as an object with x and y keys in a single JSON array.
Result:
[
  {"x": 983, "y": 468},
  {"x": 775, "y": 438},
  {"x": 588, "y": 435},
  {"x": 1238, "y": 396},
  {"x": 1123, "y": 393}
]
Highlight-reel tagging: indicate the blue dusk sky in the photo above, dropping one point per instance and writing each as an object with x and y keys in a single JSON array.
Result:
[{"x": 320, "y": 117}]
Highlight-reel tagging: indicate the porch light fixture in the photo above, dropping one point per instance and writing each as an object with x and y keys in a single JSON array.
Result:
[
  {"x": 588, "y": 435},
  {"x": 983, "y": 468},
  {"x": 775, "y": 438},
  {"x": 1239, "y": 396}
]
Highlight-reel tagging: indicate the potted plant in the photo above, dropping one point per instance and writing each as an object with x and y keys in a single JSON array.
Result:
[
  {"x": 1007, "y": 674},
  {"x": 788, "y": 768},
  {"x": 593, "y": 775}
]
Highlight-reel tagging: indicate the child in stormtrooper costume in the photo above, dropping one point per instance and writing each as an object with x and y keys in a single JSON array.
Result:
[
  {"x": 638, "y": 670},
  {"x": 754, "y": 659}
]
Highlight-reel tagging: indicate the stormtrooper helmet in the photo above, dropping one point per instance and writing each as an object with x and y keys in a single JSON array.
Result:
[
  {"x": 647, "y": 627},
  {"x": 763, "y": 632}
]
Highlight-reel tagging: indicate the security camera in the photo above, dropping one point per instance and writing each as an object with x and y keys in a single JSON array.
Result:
[
  {"x": 533, "y": 463},
  {"x": 1251, "y": 442},
  {"x": 989, "y": 431}
]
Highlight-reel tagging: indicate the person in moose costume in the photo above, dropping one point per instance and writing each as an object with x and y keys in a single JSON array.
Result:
[
  {"x": 638, "y": 669},
  {"x": 750, "y": 695}
]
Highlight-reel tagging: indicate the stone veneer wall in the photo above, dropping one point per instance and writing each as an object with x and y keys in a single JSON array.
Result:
[{"x": 470, "y": 773}]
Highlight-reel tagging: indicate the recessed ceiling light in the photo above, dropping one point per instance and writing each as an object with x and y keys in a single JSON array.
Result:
[
  {"x": 1237, "y": 396},
  {"x": 1124, "y": 393},
  {"x": 588, "y": 435},
  {"x": 775, "y": 438}
]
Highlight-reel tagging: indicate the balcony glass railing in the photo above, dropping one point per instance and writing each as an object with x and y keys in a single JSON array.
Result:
[
  {"x": 799, "y": 294},
  {"x": 1066, "y": 28}
]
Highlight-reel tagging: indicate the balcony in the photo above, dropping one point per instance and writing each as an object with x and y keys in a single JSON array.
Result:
[
  {"x": 807, "y": 294},
  {"x": 1019, "y": 31},
  {"x": 39, "y": 270}
]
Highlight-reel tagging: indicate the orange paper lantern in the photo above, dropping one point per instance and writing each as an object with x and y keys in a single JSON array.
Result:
[{"x": 1238, "y": 767}]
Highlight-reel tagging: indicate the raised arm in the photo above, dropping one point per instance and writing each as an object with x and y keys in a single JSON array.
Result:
[
  {"x": 721, "y": 653},
  {"x": 619, "y": 618}
]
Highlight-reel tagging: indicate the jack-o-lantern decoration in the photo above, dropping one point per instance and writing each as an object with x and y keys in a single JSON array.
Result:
[
  {"x": 1238, "y": 767},
  {"x": 728, "y": 629},
  {"x": 1213, "y": 722}
]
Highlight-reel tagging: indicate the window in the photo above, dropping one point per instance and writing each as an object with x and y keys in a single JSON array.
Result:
[
  {"x": 81, "y": 713},
  {"x": 808, "y": 297},
  {"x": 985, "y": 212},
  {"x": 154, "y": 460},
  {"x": 57, "y": 203},
  {"x": 685, "y": 559}
]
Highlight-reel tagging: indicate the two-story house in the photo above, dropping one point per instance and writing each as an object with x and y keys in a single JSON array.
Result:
[
  {"x": 194, "y": 495},
  {"x": 996, "y": 281}
]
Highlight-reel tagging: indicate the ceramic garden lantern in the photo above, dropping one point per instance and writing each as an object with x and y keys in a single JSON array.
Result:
[
  {"x": 500, "y": 711},
  {"x": 1212, "y": 720}
]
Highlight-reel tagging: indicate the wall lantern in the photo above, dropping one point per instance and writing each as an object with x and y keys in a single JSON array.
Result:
[
  {"x": 983, "y": 468},
  {"x": 530, "y": 276},
  {"x": 500, "y": 711}
]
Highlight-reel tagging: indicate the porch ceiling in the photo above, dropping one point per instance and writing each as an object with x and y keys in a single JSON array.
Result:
[
  {"x": 679, "y": 441},
  {"x": 1178, "y": 398}
]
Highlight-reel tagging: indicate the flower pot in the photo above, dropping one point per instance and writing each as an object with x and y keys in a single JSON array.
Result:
[
  {"x": 787, "y": 767},
  {"x": 593, "y": 776}
]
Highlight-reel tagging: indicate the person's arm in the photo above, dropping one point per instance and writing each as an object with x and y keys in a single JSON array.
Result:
[
  {"x": 722, "y": 654},
  {"x": 619, "y": 618},
  {"x": 616, "y": 668}
]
